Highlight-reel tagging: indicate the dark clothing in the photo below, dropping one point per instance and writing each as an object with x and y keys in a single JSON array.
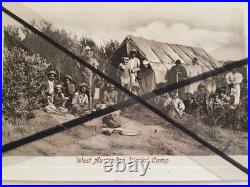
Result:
[
  {"x": 111, "y": 122},
  {"x": 146, "y": 79},
  {"x": 176, "y": 74},
  {"x": 69, "y": 90},
  {"x": 59, "y": 100},
  {"x": 45, "y": 88}
]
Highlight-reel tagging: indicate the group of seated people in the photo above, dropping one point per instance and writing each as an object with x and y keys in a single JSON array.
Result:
[
  {"x": 201, "y": 101},
  {"x": 67, "y": 96}
]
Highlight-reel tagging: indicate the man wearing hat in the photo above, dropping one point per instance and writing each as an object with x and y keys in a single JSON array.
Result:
[
  {"x": 81, "y": 100},
  {"x": 176, "y": 74},
  {"x": 134, "y": 66},
  {"x": 48, "y": 87},
  {"x": 193, "y": 70},
  {"x": 88, "y": 75},
  {"x": 124, "y": 75},
  {"x": 200, "y": 97},
  {"x": 146, "y": 77},
  {"x": 69, "y": 89},
  {"x": 234, "y": 80}
]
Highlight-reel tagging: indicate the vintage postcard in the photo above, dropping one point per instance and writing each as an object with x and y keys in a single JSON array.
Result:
[{"x": 125, "y": 92}]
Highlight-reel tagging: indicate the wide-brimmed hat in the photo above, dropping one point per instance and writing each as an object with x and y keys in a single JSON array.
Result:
[
  {"x": 59, "y": 86},
  {"x": 84, "y": 85},
  {"x": 68, "y": 77},
  {"x": 52, "y": 73}
]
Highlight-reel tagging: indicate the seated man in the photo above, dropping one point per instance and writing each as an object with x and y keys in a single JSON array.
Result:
[
  {"x": 81, "y": 100},
  {"x": 59, "y": 101},
  {"x": 224, "y": 97},
  {"x": 167, "y": 103},
  {"x": 200, "y": 95},
  {"x": 177, "y": 105},
  {"x": 110, "y": 95}
]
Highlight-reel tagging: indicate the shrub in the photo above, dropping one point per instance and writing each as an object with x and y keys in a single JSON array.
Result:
[{"x": 23, "y": 74}]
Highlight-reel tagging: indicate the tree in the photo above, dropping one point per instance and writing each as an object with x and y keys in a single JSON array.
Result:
[
  {"x": 109, "y": 48},
  {"x": 23, "y": 74},
  {"x": 61, "y": 62},
  {"x": 85, "y": 41}
]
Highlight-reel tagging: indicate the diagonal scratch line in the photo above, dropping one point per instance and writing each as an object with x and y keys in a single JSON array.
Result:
[{"x": 138, "y": 99}]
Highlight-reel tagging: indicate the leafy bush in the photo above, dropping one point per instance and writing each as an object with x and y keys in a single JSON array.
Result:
[{"x": 23, "y": 74}]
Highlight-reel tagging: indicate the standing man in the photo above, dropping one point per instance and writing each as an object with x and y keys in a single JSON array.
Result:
[
  {"x": 193, "y": 70},
  {"x": 134, "y": 66},
  {"x": 48, "y": 87},
  {"x": 234, "y": 79},
  {"x": 176, "y": 74},
  {"x": 69, "y": 89},
  {"x": 146, "y": 77},
  {"x": 88, "y": 75},
  {"x": 124, "y": 77}
]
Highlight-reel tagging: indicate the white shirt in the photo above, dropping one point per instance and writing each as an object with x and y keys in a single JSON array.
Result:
[
  {"x": 51, "y": 86},
  {"x": 229, "y": 78},
  {"x": 233, "y": 78},
  {"x": 178, "y": 104},
  {"x": 237, "y": 78},
  {"x": 133, "y": 64},
  {"x": 81, "y": 99}
]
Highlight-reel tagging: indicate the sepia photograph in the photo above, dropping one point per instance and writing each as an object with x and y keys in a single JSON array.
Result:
[{"x": 110, "y": 82}]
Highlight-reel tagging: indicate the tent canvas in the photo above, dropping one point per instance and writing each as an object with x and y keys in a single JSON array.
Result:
[{"x": 162, "y": 57}]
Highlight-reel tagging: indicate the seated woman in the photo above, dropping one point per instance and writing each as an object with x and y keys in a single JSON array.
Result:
[
  {"x": 81, "y": 100},
  {"x": 59, "y": 101}
]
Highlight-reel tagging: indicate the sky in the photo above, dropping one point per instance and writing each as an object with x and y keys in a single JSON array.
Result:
[{"x": 218, "y": 28}]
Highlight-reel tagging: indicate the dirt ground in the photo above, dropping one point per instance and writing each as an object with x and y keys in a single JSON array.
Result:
[{"x": 156, "y": 137}]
